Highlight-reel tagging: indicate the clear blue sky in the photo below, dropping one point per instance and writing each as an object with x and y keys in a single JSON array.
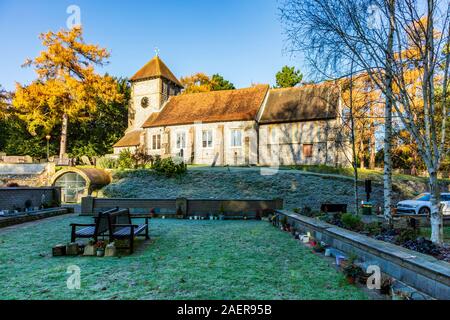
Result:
[{"x": 240, "y": 39}]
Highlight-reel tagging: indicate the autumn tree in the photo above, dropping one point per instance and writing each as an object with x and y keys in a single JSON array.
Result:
[
  {"x": 67, "y": 86},
  {"x": 367, "y": 111},
  {"x": 288, "y": 77},
  {"x": 201, "y": 82},
  {"x": 5, "y": 98}
]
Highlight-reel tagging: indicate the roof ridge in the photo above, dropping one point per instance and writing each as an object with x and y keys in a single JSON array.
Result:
[{"x": 228, "y": 90}]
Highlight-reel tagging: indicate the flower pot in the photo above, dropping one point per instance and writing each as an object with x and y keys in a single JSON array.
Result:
[{"x": 100, "y": 252}]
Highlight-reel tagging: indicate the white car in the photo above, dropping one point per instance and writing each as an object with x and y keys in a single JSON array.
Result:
[{"x": 422, "y": 205}]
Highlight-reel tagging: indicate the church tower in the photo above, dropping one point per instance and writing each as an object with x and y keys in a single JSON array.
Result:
[{"x": 151, "y": 87}]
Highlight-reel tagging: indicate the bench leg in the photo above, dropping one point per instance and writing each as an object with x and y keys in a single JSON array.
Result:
[
  {"x": 146, "y": 230},
  {"x": 131, "y": 244},
  {"x": 72, "y": 235}
]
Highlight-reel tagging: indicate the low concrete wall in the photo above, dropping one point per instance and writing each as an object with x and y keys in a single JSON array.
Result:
[
  {"x": 37, "y": 215},
  {"x": 420, "y": 271},
  {"x": 15, "y": 198},
  {"x": 189, "y": 207}
]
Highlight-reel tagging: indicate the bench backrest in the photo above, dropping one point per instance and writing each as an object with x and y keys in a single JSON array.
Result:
[
  {"x": 102, "y": 224},
  {"x": 118, "y": 217}
]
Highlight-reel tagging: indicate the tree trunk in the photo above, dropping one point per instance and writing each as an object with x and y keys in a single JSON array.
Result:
[
  {"x": 372, "y": 148},
  {"x": 353, "y": 137},
  {"x": 63, "y": 142},
  {"x": 361, "y": 155},
  {"x": 387, "y": 176},
  {"x": 437, "y": 229}
]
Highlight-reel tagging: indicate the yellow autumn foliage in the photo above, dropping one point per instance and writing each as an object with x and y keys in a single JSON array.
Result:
[{"x": 67, "y": 84}]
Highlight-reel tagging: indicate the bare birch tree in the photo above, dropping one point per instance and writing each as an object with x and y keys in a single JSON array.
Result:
[{"x": 376, "y": 32}]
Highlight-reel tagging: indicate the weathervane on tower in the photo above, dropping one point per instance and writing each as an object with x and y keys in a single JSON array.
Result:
[{"x": 157, "y": 51}]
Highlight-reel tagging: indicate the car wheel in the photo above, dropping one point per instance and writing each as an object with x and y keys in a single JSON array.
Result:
[{"x": 424, "y": 210}]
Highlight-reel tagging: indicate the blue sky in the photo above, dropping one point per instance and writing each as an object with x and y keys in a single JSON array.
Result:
[{"x": 240, "y": 39}]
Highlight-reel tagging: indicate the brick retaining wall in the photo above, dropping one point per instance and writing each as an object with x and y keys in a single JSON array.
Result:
[{"x": 15, "y": 198}]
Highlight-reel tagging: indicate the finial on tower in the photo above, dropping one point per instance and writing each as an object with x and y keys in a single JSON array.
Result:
[{"x": 157, "y": 51}]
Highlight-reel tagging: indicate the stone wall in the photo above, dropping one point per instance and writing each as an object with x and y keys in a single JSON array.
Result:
[
  {"x": 221, "y": 152},
  {"x": 29, "y": 174},
  {"x": 15, "y": 198},
  {"x": 283, "y": 144}
]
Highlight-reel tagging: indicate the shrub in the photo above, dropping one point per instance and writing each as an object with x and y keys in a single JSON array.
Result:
[
  {"x": 169, "y": 168},
  {"x": 107, "y": 163},
  {"x": 141, "y": 159},
  {"x": 373, "y": 228},
  {"x": 405, "y": 235},
  {"x": 126, "y": 160},
  {"x": 351, "y": 221}
]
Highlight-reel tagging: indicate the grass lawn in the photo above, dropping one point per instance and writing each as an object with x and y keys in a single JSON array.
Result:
[
  {"x": 186, "y": 259},
  {"x": 375, "y": 175}
]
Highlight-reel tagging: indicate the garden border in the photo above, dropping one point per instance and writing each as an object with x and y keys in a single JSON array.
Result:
[{"x": 420, "y": 271}]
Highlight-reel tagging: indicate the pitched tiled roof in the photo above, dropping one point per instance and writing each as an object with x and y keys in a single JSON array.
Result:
[
  {"x": 305, "y": 103},
  {"x": 155, "y": 68},
  {"x": 130, "y": 139},
  {"x": 213, "y": 106}
]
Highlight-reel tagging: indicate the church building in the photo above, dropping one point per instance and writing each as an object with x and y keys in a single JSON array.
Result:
[{"x": 249, "y": 126}]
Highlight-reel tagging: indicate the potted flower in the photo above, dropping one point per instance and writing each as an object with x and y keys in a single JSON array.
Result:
[
  {"x": 318, "y": 248},
  {"x": 352, "y": 272},
  {"x": 100, "y": 248}
]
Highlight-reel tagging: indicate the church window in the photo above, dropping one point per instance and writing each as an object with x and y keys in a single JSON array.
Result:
[
  {"x": 307, "y": 150},
  {"x": 181, "y": 140},
  {"x": 156, "y": 142},
  {"x": 207, "y": 138},
  {"x": 236, "y": 138}
]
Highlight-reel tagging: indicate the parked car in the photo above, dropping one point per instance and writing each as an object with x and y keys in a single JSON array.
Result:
[{"x": 422, "y": 205}]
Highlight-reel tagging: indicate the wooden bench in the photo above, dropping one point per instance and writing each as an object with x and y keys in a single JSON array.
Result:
[
  {"x": 92, "y": 230},
  {"x": 121, "y": 227}
]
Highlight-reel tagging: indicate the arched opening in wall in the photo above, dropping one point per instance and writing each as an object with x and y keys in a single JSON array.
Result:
[
  {"x": 76, "y": 183},
  {"x": 73, "y": 187}
]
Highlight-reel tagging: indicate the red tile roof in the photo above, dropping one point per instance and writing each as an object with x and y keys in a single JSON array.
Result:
[
  {"x": 153, "y": 69},
  {"x": 130, "y": 139},
  {"x": 213, "y": 106},
  {"x": 305, "y": 103}
]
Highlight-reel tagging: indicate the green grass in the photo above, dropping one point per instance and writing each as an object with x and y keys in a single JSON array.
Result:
[
  {"x": 185, "y": 260},
  {"x": 426, "y": 232}
]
